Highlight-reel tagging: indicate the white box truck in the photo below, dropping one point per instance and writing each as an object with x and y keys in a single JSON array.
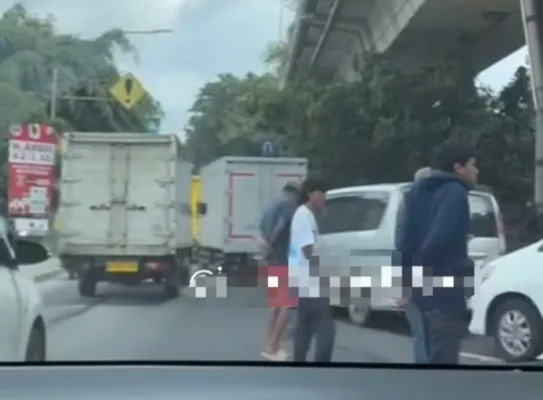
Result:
[
  {"x": 124, "y": 210},
  {"x": 235, "y": 191}
]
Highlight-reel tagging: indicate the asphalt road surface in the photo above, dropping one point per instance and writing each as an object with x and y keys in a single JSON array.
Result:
[{"x": 136, "y": 324}]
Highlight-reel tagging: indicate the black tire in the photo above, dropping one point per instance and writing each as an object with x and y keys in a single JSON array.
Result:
[
  {"x": 36, "y": 349},
  {"x": 533, "y": 322},
  {"x": 87, "y": 286},
  {"x": 184, "y": 276},
  {"x": 172, "y": 282},
  {"x": 172, "y": 290}
]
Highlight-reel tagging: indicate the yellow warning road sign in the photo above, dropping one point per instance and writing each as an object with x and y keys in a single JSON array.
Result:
[{"x": 128, "y": 91}]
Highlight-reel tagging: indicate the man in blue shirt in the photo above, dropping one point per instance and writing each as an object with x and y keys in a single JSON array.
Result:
[
  {"x": 435, "y": 236},
  {"x": 275, "y": 235}
]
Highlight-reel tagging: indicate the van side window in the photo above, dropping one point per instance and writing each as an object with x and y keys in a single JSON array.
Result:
[
  {"x": 355, "y": 213},
  {"x": 483, "y": 222}
]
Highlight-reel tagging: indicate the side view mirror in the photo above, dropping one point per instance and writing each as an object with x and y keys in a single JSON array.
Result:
[
  {"x": 28, "y": 252},
  {"x": 202, "y": 208},
  {"x": 470, "y": 237}
]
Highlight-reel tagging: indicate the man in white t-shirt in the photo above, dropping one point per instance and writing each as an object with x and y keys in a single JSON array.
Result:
[{"x": 314, "y": 316}]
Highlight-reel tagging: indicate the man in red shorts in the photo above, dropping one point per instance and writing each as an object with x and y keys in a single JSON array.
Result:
[{"x": 275, "y": 234}]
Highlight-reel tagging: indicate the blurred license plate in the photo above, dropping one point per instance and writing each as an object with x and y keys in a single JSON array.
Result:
[{"x": 125, "y": 267}]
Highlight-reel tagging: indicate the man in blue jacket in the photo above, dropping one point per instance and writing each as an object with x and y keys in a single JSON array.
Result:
[
  {"x": 412, "y": 313},
  {"x": 435, "y": 236}
]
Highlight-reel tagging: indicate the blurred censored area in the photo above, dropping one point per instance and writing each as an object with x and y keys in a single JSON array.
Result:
[{"x": 343, "y": 286}]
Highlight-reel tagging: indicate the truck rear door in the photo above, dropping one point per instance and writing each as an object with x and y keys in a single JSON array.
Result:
[
  {"x": 149, "y": 197},
  {"x": 252, "y": 187},
  {"x": 243, "y": 189},
  {"x": 92, "y": 178}
]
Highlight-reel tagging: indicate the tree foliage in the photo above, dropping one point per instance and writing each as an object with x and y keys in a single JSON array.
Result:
[
  {"x": 379, "y": 128},
  {"x": 30, "y": 48}
]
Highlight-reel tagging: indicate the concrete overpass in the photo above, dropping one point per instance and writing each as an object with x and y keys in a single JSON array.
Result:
[{"x": 331, "y": 35}]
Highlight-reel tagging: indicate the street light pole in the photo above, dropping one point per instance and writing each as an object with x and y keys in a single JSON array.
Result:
[{"x": 54, "y": 96}]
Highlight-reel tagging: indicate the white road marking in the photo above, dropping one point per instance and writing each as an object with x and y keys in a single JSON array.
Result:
[{"x": 482, "y": 358}]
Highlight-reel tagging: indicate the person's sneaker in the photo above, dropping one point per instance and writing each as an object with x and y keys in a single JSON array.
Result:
[{"x": 281, "y": 355}]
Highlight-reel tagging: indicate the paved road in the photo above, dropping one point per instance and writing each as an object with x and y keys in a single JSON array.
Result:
[{"x": 137, "y": 324}]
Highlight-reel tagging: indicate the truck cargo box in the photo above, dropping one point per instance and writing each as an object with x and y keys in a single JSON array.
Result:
[
  {"x": 124, "y": 194},
  {"x": 236, "y": 190}
]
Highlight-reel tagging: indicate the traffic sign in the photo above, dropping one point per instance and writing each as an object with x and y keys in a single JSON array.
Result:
[
  {"x": 270, "y": 148},
  {"x": 128, "y": 91}
]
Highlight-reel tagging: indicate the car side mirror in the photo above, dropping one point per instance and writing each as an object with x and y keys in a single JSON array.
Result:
[
  {"x": 202, "y": 208},
  {"x": 28, "y": 252},
  {"x": 470, "y": 237}
]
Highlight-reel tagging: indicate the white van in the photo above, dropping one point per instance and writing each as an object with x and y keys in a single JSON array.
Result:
[{"x": 359, "y": 231}]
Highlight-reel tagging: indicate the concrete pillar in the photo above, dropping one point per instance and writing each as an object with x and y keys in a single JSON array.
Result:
[{"x": 532, "y": 18}]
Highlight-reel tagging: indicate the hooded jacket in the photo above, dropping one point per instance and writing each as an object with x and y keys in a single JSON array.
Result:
[{"x": 434, "y": 235}]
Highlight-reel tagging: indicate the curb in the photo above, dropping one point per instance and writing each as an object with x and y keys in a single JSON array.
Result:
[{"x": 48, "y": 275}]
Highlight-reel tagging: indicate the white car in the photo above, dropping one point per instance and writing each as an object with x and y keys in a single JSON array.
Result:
[
  {"x": 359, "y": 230},
  {"x": 22, "y": 330},
  {"x": 508, "y": 304}
]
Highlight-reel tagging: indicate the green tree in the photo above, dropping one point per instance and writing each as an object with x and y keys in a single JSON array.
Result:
[
  {"x": 380, "y": 127},
  {"x": 230, "y": 116},
  {"x": 29, "y": 51},
  {"x": 30, "y": 48}
]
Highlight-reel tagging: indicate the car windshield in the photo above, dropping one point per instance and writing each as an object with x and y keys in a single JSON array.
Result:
[{"x": 174, "y": 159}]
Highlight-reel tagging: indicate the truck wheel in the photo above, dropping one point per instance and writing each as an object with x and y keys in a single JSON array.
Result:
[
  {"x": 172, "y": 290},
  {"x": 87, "y": 286},
  {"x": 172, "y": 281},
  {"x": 184, "y": 276}
]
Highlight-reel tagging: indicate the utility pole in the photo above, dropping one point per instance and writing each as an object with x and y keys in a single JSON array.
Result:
[
  {"x": 54, "y": 95},
  {"x": 532, "y": 20}
]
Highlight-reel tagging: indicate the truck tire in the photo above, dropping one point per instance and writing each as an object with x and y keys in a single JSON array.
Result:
[
  {"x": 184, "y": 277},
  {"x": 172, "y": 290},
  {"x": 87, "y": 286},
  {"x": 172, "y": 280}
]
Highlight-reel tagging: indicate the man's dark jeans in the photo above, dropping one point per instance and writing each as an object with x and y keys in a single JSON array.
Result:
[
  {"x": 444, "y": 334},
  {"x": 314, "y": 319}
]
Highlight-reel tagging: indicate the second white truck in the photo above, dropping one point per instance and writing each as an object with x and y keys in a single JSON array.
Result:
[
  {"x": 124, "y": 210},
  {"x": 235, "y": 191}
]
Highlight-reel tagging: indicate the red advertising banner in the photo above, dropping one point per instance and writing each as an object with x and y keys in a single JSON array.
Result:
[{"x": 31, "y": 170}]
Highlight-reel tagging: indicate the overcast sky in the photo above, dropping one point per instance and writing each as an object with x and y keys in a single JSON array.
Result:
[{"x": 209, "y": 37}]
